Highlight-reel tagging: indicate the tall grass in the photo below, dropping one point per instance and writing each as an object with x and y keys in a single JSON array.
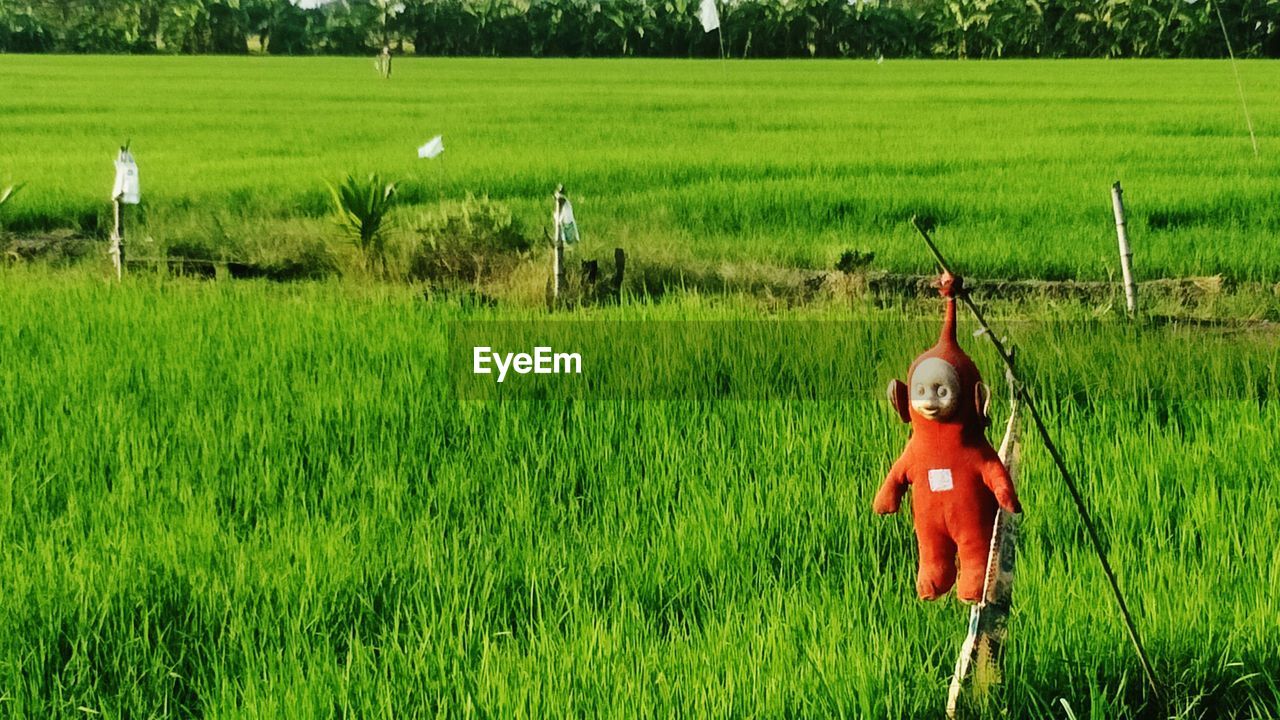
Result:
[
  {"x": 254, "y": 500},
  {"x": 784, "y": 162}
]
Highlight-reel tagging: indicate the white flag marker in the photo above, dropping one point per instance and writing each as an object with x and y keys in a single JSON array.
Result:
[
  {"x": 126, "y": 188},
  {"x": 709, "y": 15},
  {"x": 433, "y": 148}
]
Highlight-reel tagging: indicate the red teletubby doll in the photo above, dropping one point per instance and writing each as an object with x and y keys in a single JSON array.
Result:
[{"x": 957, "y": 476}]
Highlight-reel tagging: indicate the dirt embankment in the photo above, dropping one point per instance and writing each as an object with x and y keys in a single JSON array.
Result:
[{"x": 1206, "y": 295}]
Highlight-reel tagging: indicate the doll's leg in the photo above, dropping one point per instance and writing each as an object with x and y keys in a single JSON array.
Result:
[
  {"x": 937, "y": 564},
  {"x": 974, "y": 549}
]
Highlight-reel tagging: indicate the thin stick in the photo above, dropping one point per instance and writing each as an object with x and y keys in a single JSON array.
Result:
[
  {"x": 1239, "y": 85},
  {"x": 1025, "y": 394}
]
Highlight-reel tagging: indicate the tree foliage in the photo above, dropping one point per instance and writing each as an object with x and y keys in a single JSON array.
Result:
[{"x": 662, "y": 28}]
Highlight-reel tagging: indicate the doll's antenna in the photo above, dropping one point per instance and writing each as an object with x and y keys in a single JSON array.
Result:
[{"x": 1024, "y": 394}]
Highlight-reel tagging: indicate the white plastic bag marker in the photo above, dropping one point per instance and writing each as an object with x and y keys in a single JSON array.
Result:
[
  {"x": 568, "y": 228},
  {"x": 126, "y": 187},
  {"x": 433, "y": 147},
  {"x": 709, "y": 15}
]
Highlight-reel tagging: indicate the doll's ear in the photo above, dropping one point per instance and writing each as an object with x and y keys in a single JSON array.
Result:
[
  {"x": 898, "y": 399},
  {"x": 982, "y": 399}
]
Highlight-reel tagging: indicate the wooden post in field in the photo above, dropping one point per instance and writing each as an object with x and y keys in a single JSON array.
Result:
[
  {"x": 1126, "y": 255},
  {"x": 125, "y": 191},
  {"x": 117, "y": 237},
  {"x": 557, "y": 257},
  {"x": 619, "y": 266},
  {"x": 383, "y": 63},
  {"x": 980, "y": 666}
]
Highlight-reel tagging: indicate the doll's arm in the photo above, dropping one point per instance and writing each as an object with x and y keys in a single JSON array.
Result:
[
  {"x": 996, "y": 477},
  {"x": 889, "y": 499}
]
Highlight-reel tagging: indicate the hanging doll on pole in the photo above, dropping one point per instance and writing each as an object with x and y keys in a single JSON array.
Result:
[
  {"x": 957, "y": 480},
  {"x": 961, "y": 487}
]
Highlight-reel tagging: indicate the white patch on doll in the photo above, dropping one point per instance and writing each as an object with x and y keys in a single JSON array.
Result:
[{"x": 940, "y": 480}]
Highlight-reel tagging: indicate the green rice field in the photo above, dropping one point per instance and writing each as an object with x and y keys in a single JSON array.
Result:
[
  {"x": 258, "y": 500},
  {"x": 254, "y": 499},
  {"x": 784, "y": 162}
]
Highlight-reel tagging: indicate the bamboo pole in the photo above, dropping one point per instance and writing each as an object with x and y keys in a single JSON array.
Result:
[
  {"x": 117, "y": 237},
  {"x": 1126, "y": 255},
  {"x": 124, "y": 191},
  {"x": 1024, "y": 393},
  {"x": 557, "y": 257}
]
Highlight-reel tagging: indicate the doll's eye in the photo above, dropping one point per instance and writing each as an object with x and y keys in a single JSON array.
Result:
[
  {"x": 942, "y": 391},
  {"x": 920, "y": 390}
]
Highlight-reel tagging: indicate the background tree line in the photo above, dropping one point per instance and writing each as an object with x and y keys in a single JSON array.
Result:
[{"x": 648, "y": 28}]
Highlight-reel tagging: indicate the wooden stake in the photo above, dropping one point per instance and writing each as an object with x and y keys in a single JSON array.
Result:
[
  {"x": 980, "y": 666},
  {"x": 124, "y": 191},
  {"x": 117, "y": 238},
  {"x": 1126, "y": 255},
  {"x": 557, "y": 257},
  {"x": 619, "y": 266}
]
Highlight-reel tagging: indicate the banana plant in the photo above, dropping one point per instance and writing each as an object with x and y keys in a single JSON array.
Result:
[
  {"x": 670, "y": 28},
  {"x": 962, "y": 24},
  {"x": 494, "y": 20},
  {"x": 625, "y": 20}
]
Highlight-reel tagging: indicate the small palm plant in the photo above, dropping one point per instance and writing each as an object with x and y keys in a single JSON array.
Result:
[{"x": 363, "y": 206}]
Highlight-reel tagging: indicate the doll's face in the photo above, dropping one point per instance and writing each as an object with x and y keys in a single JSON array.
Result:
[{"x": 935, "y": 389}]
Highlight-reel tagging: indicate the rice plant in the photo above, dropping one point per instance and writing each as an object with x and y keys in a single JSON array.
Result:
[{"x": 266, "y": 500}]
